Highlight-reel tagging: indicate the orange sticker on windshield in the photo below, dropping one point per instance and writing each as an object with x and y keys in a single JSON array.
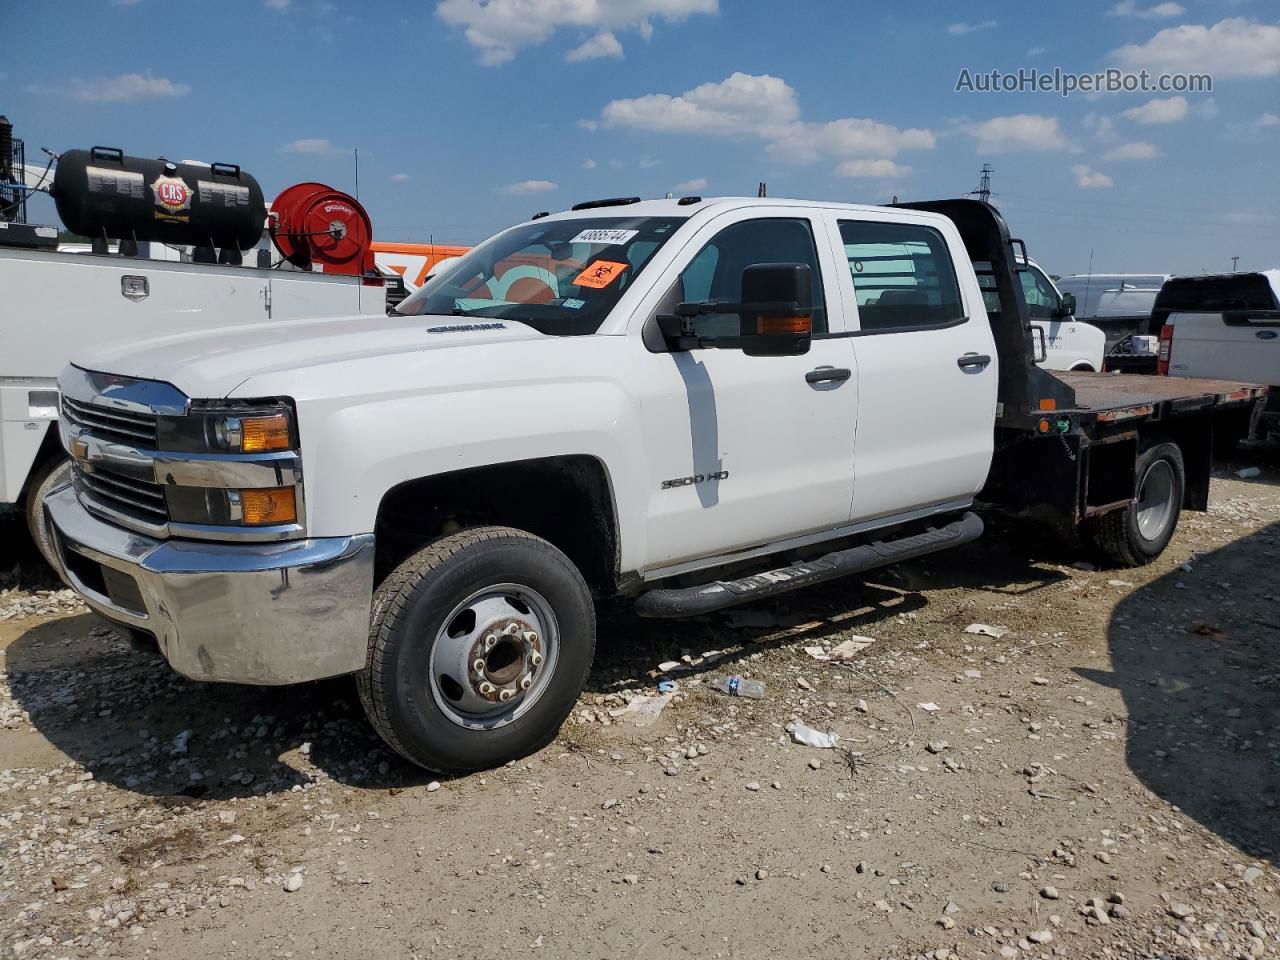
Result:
[{"x": 599, "y": 274}]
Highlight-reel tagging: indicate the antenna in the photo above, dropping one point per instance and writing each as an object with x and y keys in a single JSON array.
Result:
[
  {"x": 983, "y": 192},
  {"x": 356, "y": 152},
  {"x": 1088, "y": 282},
  {"x": 1234, "y": 261},
  {"x": 762, "y": 190}
]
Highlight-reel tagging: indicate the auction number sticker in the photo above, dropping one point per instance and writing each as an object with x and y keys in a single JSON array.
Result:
[
  {"x": 600, "y": 236},
  {"x": 599, "y": 274}
]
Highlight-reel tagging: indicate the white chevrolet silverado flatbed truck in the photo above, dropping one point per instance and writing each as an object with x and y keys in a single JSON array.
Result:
[{"x": 690, "y": 403}]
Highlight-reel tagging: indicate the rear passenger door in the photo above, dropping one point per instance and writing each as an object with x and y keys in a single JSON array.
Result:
[{"x": 926, "y": 370}]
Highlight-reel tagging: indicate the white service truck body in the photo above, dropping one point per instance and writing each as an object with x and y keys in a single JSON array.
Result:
[{"x": 61, "y": 304}]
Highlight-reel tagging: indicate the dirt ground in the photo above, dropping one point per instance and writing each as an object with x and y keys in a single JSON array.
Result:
[{"x": 1101, "y": 780}]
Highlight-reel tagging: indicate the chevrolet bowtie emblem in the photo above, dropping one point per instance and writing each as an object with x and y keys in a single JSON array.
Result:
[{"x": 79, "y": 449}]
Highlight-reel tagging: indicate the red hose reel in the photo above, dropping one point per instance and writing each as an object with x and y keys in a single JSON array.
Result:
[{"x": 318, "y": 228}]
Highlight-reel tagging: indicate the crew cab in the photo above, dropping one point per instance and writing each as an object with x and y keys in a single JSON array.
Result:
[{"x": 688, "y": 403}]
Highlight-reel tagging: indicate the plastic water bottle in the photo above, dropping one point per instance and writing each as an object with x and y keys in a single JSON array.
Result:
[{"x": 736, "y": 686}]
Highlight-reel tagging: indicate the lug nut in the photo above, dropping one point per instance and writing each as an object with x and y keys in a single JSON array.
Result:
[
  {"x": 487, "y": 688},
  {"x": 530, "y": 636},
  {"x": 478, "y": 666},
  {"x": 512, "y": 629},
  {"x": 489, "y": 641},
  {"x": 535, "y": 658},
  {"x": 506, "y": 695},
  {"x": 526, "y": 682}
]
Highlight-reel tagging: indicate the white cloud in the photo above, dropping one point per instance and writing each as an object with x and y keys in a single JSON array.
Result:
[
  {"x": 1267, "y": 120},
  {"x": 1103, "y": 127},
  {"x": 121, "y": 88},
  {"x": 957, "y": 29},
  {"x": 766, "y": 108},
  {"x": 741, "y": 104},
  {"x": 1130, "y": 8},
  {"x": 1235, "y": 47},
  {"x": 588, "y": 164},
  {"x": 1019, "y": 133},
  {"x": 399, "y": 178},
  {"x": 1088, "y": 178},
  {"x": 603, "y": 44},
  {"x": 1138, "y": 150},
  {"x": 697, "y": 183},
  {"x": 528, "y": 186},
  {"x": 1037, "y": 51},
  {"x": 501, "y": 28},
  {"x": 883, "y": 169},
  {"x": 1169, "y": 110},
  {"x": 316, "y": 146}
]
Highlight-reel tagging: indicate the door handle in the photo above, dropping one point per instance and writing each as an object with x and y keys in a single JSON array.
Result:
[
  {"x": 973, "y": 360},
  {"x": 828, "y": 375}
]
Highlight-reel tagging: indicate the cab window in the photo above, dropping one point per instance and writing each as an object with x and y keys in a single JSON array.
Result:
[
  {"x": 902, "y": 276},
  {"x": 1042, "y": 300},
  {"x": 715, "y": 272}
]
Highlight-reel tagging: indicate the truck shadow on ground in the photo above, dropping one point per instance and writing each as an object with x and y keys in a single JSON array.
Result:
[
  {"x": 125, "y": 716},
  {"x": 1203, "y": 697}
]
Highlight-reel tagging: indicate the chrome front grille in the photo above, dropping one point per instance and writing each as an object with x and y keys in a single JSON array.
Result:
[
  {"x": 109, "y": 423},
  {"x": 122, "y": 497}
]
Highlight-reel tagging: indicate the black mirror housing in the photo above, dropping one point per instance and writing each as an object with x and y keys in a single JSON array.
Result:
[
  {"x": 1068, "y": 306},
  {"x": 777, "y": 309}
]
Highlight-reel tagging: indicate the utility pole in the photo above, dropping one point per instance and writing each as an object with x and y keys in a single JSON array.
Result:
[
  {"x": 983, "y": 192},
  {"x": 1234, "y": 261}
]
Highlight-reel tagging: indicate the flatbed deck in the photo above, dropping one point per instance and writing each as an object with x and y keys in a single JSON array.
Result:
[{"x": 1112, "y": 396}]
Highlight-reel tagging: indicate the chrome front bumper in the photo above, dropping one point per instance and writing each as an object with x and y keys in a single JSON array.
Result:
[{"x": 261, "y": 613}]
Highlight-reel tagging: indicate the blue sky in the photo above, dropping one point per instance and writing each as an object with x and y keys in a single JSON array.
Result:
[{"x": 471, "y": 115}]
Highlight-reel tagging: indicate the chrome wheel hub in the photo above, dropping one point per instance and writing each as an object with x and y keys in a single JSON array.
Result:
[
  {"x": 1155, "y": 499},
  {"x": 493, "y": 656}
]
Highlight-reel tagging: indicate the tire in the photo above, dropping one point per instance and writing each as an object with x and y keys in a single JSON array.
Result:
[
  {"x": 1139, "y": 533},
  {"x": 493, "y": 598},
  {"x": 52, "y": 473}
]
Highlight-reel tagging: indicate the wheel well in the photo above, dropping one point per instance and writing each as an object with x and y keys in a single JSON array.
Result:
[
  {"x": 1083, "y": 368},
  {"x": 565, "y": 500},
  {"x": 50, "y": 449}
]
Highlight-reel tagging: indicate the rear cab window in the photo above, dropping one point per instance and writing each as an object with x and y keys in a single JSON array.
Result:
[{"x": 903, "y": 277}]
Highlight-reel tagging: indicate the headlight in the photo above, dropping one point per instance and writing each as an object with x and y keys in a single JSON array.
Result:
[{"x": 226, "y": 427}]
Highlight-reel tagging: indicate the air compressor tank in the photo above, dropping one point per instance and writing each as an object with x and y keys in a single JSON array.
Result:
[{"x": 105, "y": 195}]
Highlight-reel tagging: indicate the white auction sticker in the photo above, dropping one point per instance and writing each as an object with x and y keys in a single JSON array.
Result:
[{"x": 604, "y": 236}]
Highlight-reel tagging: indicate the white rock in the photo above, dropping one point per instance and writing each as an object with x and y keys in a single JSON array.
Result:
[{"x": 293, "y": 883}]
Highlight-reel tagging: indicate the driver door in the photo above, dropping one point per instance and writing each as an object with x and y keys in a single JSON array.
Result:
[{"x": 742, "y": 452}]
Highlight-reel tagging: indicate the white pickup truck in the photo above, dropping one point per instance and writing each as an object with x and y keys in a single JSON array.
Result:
[
  {"x": 1224, "y": 325},
  {"x": 691, "y": 403}
]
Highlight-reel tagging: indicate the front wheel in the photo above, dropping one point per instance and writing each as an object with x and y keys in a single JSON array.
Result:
[
  {"x": 1139, "y": 533},
  {"x": 478, "y": 648},
  {"x": 53, "y": 473}
]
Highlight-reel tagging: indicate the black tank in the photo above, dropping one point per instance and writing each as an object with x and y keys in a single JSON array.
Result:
[{"x": 101, "y": 193}]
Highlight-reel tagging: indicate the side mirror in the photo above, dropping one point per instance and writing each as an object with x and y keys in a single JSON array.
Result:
[
  {"x": 777, "y": 309},
  {"x": 1068, "y": 306},
  {"x": 775, "y": 315}
]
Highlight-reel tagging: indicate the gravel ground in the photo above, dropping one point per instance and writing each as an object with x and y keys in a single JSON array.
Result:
[{"x": 1096, "y": 775}]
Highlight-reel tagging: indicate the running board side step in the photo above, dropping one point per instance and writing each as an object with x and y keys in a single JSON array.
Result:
[{"x": 706, "y": 597}]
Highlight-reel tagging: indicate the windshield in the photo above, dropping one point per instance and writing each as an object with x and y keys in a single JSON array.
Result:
[{"x": 559, "y": 276}]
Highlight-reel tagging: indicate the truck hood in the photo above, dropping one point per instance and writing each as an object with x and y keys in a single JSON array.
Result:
[{"x": 212, "y": 363}]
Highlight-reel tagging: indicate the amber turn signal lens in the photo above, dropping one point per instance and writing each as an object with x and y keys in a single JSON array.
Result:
[
  {"x": 264, "y": 434},
  {"x": 269, "y": 506},
  {"x": 773, "y": 324}
]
